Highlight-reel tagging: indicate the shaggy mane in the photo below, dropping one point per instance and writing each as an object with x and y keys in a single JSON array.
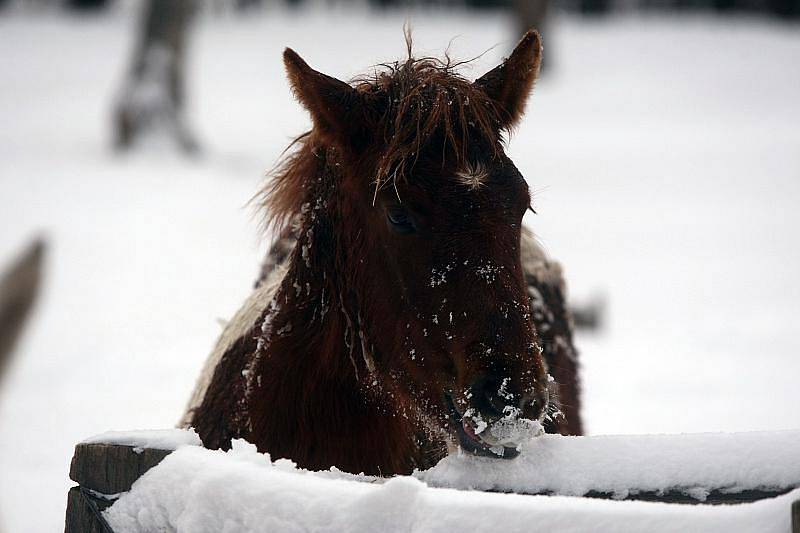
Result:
[{"x": 424, "y": 107}]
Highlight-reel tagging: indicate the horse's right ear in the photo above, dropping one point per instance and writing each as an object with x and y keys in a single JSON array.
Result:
[{"x": 339, "y": 111}]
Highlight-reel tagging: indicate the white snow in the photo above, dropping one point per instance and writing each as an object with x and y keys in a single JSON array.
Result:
[
  {"x": 662, "y": 153},
  {"x": 573, "y": 466},
  {"x": 159, "y": 439},
  {"x": 200, "y": 491}
]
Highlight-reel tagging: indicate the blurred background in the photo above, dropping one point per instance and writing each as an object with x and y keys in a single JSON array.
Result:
[{"x": 662, "y": 144}]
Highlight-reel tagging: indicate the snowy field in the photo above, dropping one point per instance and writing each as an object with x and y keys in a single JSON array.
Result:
[{"x": 664, "y": 152}]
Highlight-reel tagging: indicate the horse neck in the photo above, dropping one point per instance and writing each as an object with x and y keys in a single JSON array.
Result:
[
  {"x": 313, "y": 375},
  {"x": 317, "y": 301}
]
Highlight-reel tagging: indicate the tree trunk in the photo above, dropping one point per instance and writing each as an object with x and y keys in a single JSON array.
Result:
[
  {"x": 152, "y": 99},
  {"x": 86, "y": 4},
  {"x": 533, "y": 14}
]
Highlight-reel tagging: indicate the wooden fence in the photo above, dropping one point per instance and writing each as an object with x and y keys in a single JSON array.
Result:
[{"x": 103, "y": 471}]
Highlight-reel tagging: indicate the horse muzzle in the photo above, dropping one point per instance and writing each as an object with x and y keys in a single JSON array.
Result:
[{"x": 494, "y": 421}]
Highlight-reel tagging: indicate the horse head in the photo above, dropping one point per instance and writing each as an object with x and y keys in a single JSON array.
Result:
[{"x": 425, "y": 211}]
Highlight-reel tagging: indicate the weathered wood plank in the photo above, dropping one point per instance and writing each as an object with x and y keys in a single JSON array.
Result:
[
  {"x": 715, "y": 497},
  {"x": 83, "y": 513},
  {"x": 111, "y": 468}
]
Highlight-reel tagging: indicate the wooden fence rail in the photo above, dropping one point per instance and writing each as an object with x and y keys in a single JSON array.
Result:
[{"x": 103, "y": 471}]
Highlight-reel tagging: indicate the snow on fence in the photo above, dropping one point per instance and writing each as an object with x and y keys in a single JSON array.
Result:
[{"x": 165, "y": 481}]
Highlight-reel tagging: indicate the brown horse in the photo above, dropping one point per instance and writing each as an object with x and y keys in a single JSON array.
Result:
[{"x": 395, "y": 319}]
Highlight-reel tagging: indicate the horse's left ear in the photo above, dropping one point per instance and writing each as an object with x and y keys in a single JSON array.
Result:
[
  {"x": 510, "y": 83},
  {"x": 339, "y": 111}
]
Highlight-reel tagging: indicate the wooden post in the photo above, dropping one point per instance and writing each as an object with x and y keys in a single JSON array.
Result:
[
  {"x": 796, "y": 517},
  {"x": 102, "y": 471},
  {"x": 84, "y": 513}
]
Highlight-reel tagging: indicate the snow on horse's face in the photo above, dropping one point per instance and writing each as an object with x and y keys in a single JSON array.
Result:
[
  {"x": 450, "y": 239},
  {"x": 431, "y": 216}
]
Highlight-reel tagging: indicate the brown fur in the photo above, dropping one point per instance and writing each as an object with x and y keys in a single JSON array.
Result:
[
  {"x": 509, "y": 84},
  {"x": 383, "y": 334},
  {"x": 410, "y": 103}
]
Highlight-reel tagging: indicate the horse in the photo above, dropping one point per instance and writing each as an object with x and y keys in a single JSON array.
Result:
[{"x": 404, "y": 312}]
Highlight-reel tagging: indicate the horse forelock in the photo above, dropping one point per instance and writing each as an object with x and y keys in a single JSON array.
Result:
[
  {"x": 430, "y": 111},
  {"x": 423, "y": 109}
]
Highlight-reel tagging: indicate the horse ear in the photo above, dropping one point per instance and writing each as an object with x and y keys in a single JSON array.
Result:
[
  {"x": 510, "y": 83},
  {"x": 337, "y": 109}
]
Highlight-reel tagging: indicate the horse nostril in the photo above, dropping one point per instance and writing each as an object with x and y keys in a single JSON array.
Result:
[
  {"x": 493, "y": 397},
  {"x": 490, "y": 397}
]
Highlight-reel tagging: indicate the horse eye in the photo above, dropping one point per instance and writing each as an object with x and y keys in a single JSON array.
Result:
[{"x": 399, "y": 220}]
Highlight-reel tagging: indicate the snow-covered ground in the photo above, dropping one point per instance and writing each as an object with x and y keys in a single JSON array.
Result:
[{"x": 665, "y": 153}]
